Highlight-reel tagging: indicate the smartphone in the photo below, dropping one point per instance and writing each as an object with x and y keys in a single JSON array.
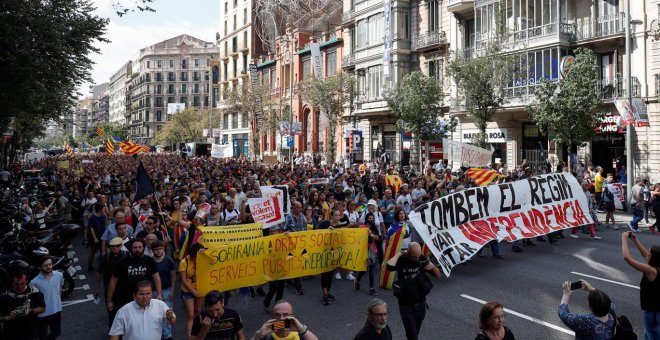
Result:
[
  {"x": 282, "y": 325},
  {"x": 576, "y": 285}
]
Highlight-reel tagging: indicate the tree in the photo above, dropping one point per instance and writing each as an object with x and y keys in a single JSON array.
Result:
[
  {"x": 109, "y": 129},
  {"x": 482, "y": 80},
  {"x": 417, "y": 103},
  {"x": 570, "y": 108},
  {"x": 185, "y": 126},
  {"x": 44, "y": 58},
  {"x": 122, "y": 8},
  {"x": 330, "y": 96}
]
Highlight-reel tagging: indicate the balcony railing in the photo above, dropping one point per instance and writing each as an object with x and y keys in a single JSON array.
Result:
[
  {"x": 561, "y": 30},
  {"x": 657, "y": 84},
  {"x": 600, "y": 27},
  {"x": 430, "y": 39},
  {"x": 617, "y": 88},
  {"x": 347, "y": 61},
  {"x": 347, "y": 16}
]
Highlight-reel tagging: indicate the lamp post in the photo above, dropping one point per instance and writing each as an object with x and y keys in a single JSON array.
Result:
[{"x": 630, "y": 168}]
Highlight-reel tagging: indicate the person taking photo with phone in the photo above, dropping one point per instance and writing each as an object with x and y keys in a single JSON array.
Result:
[
  {"x": 283, "y": 325},
  {"x": 217, "y": 322},
  {"x": 599, "y": 324},
  {"x": 649, "y": 288}
]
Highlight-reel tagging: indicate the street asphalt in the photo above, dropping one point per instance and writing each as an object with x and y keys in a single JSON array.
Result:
[{"x": 527, "y": 283}]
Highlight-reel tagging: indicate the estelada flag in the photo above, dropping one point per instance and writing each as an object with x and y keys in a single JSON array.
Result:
[
  {"x": 109, "y": 148},
  {"x": 393, "y": 246},
  {"x": 99, "y": 131},
  {"x": 68, "y": 149},
  {"x": 482, "y": 177},
  {"x": 130, "y": 148},
  {"x": 394, "y": 181}
]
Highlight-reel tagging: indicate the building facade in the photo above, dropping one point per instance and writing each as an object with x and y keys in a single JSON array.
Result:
[
  {"x": 100, "y": 107},
  {"x": 172, "y": 71},
  {"x": 117, "y": 94},
  {"x": 80, "y": 119}
]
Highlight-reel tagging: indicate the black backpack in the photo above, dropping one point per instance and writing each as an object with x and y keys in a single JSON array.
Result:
[{"x": 623, "y": 329}]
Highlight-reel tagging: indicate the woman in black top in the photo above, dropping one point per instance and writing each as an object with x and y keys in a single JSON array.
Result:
[
  {"x": 649, "y": 288},
  {"x": 491, "y": 323}
]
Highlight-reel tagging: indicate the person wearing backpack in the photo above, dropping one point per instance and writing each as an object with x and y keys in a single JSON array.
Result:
[
  {"x": 230, "y": 215},
  {"x": 649, "y": 288}
]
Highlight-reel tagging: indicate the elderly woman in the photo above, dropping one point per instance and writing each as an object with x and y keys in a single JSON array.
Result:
[
  {"x": 599, "y": 324},
  {"x": 491, "y": 323}
]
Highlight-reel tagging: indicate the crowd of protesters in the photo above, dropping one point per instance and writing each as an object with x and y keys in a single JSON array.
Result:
[{"x": 149, "y": 247}]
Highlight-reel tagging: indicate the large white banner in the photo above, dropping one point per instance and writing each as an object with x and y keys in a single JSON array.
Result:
[
  {"x": 315, "y": 49},
  {"x": 222, "y": 151},
  {"x": 466, "y": 154},
  {"x": 280, "y": 191},
  {"x": 456, "y": 226},
  {"x": 269, "y": 211},
  {"x": 173, "y": 108}
]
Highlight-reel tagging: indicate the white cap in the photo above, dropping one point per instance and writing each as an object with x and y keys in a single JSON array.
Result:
[{"x": 372, "y": 202}]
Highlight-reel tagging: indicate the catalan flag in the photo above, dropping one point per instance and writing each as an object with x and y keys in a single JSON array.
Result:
[
  {"x": 130, "y": 148},
  {"x": 392, "y": 247},
  {"x": 482, "y": 177},
  {"x": 99, "y": 131},
  {"x": 68, "y": 149},
  {"x": 109, "y": 148}
]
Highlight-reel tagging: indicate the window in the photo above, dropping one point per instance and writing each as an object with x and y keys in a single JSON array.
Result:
[
  {"x": 159, "y": 76},
  {"x": 159, "y": 89},
  {"x": 235, "y": 3},
  {"x": 159, "y": 101},
  {"x": 235, "y": 22},
  {"x": 226, "y": 70},
  {"x": 225, "y": 121},
  {"x": 265, "y": 79},
  {"x": 184, "y": 88},
  {"x": 245, "y": 63},
  {"x": 234, "y": 65},
  {"x": 234, "y": 44},
  {"x": 196, "y": 101},
  {"x": 225, "y": 32},
  {"x": 196, "y": 76},
  {"x": 435, "y": 69},
  {"x": 184, "y": 76},
  {"x": 246, "y": 41},
  {"x": 273, "y": 79},
  {"x": 159, "y": 63},
  {"x": 148, "y": 64},
  {"x": 183, "y": 100},
  {"x": 159, "y": 116},
  {"x": 170, "y": 89},
  {"x": 184, "y": 63},
  {"x": 244, "y": 119},
  {"x": 206, "y": 100},
  {"x": 331, "y": 63},
  {"x": 170, "y": 76},
  {"x": 196, "y": 88},
  {"x": 374, "y": 82},
  {"x": 171, "y": 63},
  {"x": 234, "y": 120},
  {"x": 196, "y": 62},
  {"x": 245, "y": 16},
  {"x": 433, "y": 12},
  {"x": 306, "y": 68},
  {"x": 370, "y": 31},
  {"x": 226, "y": 7},
  {"x": 170, "y": 100}
]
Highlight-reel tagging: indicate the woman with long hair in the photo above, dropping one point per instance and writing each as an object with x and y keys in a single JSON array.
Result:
[
  {"x": 649, "y": 288},
  {"x": 400, "y": 221}
]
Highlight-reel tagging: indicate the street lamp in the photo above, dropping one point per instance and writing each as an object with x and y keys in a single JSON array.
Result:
[{"x": 630, "y": 175}]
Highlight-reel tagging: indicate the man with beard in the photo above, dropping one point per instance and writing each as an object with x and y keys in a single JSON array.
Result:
[
  {"x": 19, "y": 307},
  {"x": 50, "y": 284},
  {"x": 375, "y": 328},
  {"x": 128, "y": 272}
]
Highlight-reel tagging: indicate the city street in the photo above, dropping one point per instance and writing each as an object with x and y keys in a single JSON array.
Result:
[{"x": 527, "y": 283}]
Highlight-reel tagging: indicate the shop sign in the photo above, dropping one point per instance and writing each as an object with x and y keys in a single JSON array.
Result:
[
  {"x": 609, "y": 124},
  {"x": 492, "y": 135}
]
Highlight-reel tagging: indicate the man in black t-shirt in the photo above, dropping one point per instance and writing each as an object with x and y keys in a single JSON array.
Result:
[
  {"x": 19, "y": 307},
  {"x": 127, "y": 273},
  {"x": 217, "y": 322},
  {"x": 410, "y": 267}
]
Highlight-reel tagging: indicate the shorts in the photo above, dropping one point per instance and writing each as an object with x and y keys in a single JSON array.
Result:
[
  {"x": 187, "y": 296},
  {"x": 609, "y": 206}
]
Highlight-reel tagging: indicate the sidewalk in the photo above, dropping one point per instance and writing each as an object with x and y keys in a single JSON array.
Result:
[{"x": 623, "y": 217}]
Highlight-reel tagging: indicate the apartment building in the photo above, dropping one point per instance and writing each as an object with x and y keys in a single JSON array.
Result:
[
  {"x": 175, "y": 70},
  {"x": 117, "y": 94},
  {"x": 545, "y": 31},
  {"x": 238, "y": 43},
  {"x": 80, "y": 119},
  {"x": 100, "y": 107},
  {"x": 282, "y": 73}
]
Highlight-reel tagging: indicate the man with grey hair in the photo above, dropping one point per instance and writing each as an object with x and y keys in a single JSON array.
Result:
[{"x": 376, "y": 327}]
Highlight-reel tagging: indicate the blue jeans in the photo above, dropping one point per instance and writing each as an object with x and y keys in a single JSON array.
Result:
[
  {"x": 638, "y": 215},
  {"x": 651, "y": 325},
  {"x": 167, "y": 329},
  {"x": 494, "y": 247}
]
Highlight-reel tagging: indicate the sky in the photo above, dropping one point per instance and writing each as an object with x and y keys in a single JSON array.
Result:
[{"x": 136, "y": 30}]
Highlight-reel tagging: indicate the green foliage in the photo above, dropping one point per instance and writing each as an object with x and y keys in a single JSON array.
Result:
[
  {"x": 330, "y": 96},
  {"x": 109, "y": 129},
  {"x": 417, "y": 103},
  {"x": 44, "y": 58},
  {"x": 121, "y": 8},
  {"x": 185, "y": 126},
  {"x": 570, "y": 108}
]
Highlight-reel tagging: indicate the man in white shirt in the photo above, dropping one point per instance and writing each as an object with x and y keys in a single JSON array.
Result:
[
  {"x": 49, "y": 283},
  {"x": 230, "y": 215},
  {"x": 418, "y": 192},
  {"x": 404, "y": 200},
  {"x": 143, "y": 318}
]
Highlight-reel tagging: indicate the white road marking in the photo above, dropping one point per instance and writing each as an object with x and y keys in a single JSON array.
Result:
[
  {"x": 85, "y": 287},
  {"x": 606, "y": 280},
  {"x": 78, "y": 268},
  {"x": 90, "y": 297},
  {"x": 82, "y": 277},
  {"x": 70, "y": 253},
  {"x": 586, "y": 257},
  {"x": 75, "y": 259},
  {"x": 523, "y": 316}
]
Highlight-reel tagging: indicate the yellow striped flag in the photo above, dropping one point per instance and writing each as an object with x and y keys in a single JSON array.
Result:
[
  {"x": 483, "y": 177},
  {"x": 393, "y": 246},
  {"x": 109, "y": 148},
  {"x": 130, "y": 148},
  {"x": 68, "y": 149},
  {"x": 99, "y": 131}
]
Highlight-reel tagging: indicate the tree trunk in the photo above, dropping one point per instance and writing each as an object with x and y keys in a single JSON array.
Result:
[
  {"x": 332, "y": 127},
  {"x": 415, "y": 155}
]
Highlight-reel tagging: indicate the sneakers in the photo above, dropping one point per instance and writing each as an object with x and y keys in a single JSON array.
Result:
[
  {"x": 325, "y": 301},
  {"x": 635, "y": 230},
  {"x": 350, "y": 276},
  {"x": 331, "y": 297},
  {"x": 338, "y": 276},
  {"x": 575, "y": 236},
  {"x": 595, "y": 237},
  {"x": 372, "y": 292},
  {"x": 356, "y": 284}
]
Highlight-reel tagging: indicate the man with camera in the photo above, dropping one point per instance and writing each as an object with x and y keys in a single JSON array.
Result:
[
  {"x": 412, "y": 287},
  {"x": 19, "y": 307},
  {"x": 283, "y": 325}
]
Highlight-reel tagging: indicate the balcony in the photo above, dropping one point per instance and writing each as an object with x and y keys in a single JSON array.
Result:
[
  {"x": 347, "y": 61},
  {"x": 657, "y": 84},
  {"x": 465, "y": 54},
  {"x": 541, "y": 35},
  {"x": 617, "y": 88},
  {"x": 429, "y": 40},
  {"x": 458, "y": 6},
  {"x": 347, "y": 17},
  {"x": 604, "y": 26}
]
